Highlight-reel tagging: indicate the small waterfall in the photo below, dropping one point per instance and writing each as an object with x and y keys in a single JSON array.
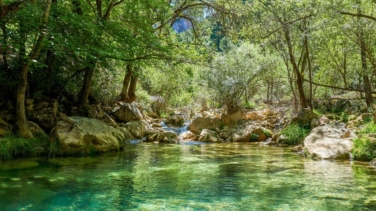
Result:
[{"x": 177, "y": 130}]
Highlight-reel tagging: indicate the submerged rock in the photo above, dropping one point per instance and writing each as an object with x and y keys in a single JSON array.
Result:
[
  {"x": 81, "y": 135},
  {"x": 127, "y": 112},
  {"x": 329, "y": 142}
]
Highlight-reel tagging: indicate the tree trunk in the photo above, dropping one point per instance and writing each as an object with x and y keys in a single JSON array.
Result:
[
  {"x": 363, "y": 56},
  {"x": 85, "y": 90},
  {"x": 23, "y": 70},
  {"x": 299, "y": 76},
  {"x": 309, "y": 72},
  {"x": 132, "y": 89},
  {"x": 126, "y": 81}
]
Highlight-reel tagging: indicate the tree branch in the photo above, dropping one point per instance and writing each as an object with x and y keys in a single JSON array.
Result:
[
  {"x": 336, "y": 87},
  {"x": 358, "y": 15}
]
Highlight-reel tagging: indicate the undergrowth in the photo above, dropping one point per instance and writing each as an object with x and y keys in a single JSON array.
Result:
[
  {"x": 295, "y": 134},
  {"x": 12, "y": 146},
  {"x": 364, "y": 149}
]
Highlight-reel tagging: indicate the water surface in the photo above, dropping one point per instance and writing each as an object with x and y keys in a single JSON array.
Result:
[{"x": 190, "y": 176}]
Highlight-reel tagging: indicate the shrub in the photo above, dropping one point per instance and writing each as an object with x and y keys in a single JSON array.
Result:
[
  {"x": 369, "y": 128},
  {"x": 364, "y": 149},
  {"x": 13, "y": 146},
  {"x": 295, "y": 133}
]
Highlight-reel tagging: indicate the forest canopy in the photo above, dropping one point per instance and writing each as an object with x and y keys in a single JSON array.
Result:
[{"x": 175, "y": 53}]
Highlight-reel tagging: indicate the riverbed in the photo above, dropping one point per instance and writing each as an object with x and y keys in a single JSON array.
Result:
[{"x": 188, "y": 176}]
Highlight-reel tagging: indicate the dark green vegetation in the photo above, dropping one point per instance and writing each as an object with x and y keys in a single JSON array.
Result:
[
  {"x": 295, "y": 133},
  {"x": 365, "y": 146},
  {"x": 12, "y": 147},
  {"x": 200, "y": 53}
]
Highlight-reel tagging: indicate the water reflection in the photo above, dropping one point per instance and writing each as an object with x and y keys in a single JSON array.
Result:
[{"x": 226, "y": 176}]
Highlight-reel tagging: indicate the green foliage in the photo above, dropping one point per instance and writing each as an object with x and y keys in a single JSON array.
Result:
[
  {"x": 369, "y": 127},
  {"x": 364, "y": 149},
  {"x": 13, "y": 146},
  {"x": 253, "y": 137},
  {"x": 295, "y": 134},
  {"x": 250, "y": 105}
]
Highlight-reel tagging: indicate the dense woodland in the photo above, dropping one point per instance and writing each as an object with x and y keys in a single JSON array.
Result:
[{"x": 177, "y": 53}]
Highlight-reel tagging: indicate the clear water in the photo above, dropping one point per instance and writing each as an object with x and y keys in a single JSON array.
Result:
[{"x": 191, "y": 176}]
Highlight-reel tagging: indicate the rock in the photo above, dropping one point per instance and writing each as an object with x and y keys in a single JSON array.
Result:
[
  {"x": 175, "y": 120},
  {"x": 201, "y": 123},
  {"x": 232, "y": 119},
  {"x": 329, "y": 142},
  {"x": 109, "y": 120},
  {"x": 158, "y": 125},
  {"x": 298, "y": 148},
  {"x": 81, "y": 135},
  {"x": 36, "y": 130},
  {"x": 373, "y": 163},
  {"x": 138, "y": 128},
  {"x": 208, "y": 136},
  {"x": 187, "y": 136},
  {"x": 5, "y": 128},
  {"x": 127, "y": 112},
  {"x": 43, "y": 112},
  {"x": 250, "y": 132},
  {"x": 165, "y": 137},
  {"x": 303, "y": 117}
]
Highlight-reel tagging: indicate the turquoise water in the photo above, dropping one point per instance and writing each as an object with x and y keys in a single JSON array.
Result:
[{"x": 225, "y": 176}]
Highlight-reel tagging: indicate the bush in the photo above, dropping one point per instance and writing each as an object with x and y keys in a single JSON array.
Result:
[
  {"x": 364, "y": 149},
  {"x": 295, "y": 134},
  {"x": 12, "y": 147},
  {"x": 369, "y": 128}
]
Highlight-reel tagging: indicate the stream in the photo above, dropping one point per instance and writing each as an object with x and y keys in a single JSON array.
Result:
[{"x": 188, "y": 176}]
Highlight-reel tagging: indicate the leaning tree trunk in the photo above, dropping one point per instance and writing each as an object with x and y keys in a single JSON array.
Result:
[
  {"x": 132, "y": 89},
  {"x": 299, "y": 76},
  {"x": 22, "y": 80},
  {"x": 126, "y": 81}
]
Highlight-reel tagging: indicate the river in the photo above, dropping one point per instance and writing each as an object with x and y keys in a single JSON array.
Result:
[{"x": 188, "y": 176}]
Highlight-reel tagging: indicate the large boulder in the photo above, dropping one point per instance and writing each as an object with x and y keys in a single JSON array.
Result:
[
  {"x": 138, "y": 129},
  {"x": 176, "y": 120},
  {"x": 232, "y": 119},
  {"x": 201, "y": 123},
  {"x": 303, "y": 117},
  {"x": 329, "y": 142},
  {"x": 373, "y": 163},
  {"x": 127, "y": 112},
  {"x": 81, "y": 135},
  {"x": 43, "y": 112},
  {"x": 250, "y": 133}
]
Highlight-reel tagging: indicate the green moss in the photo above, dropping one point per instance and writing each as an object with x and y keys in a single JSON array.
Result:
[
  {"x": 364, "y": 149},
  {"x": 253, "y": 137},
  {"x": 295, "y": 134}
]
